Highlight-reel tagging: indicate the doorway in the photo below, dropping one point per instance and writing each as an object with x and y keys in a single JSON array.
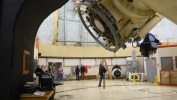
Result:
[{"x": 56, "y": 65}]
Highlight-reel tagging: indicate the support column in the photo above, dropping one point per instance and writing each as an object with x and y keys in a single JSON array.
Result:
[{"x": 55, "y": 34}]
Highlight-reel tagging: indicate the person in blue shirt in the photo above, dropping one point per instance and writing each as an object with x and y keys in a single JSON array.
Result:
[{"x": 39, "y": 73}]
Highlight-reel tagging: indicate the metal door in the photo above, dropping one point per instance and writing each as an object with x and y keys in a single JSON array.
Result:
[
  {"x": 166, "y": 63},
  {"x": 151, "y": 69}
]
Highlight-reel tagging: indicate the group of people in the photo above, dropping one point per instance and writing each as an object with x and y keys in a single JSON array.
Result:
[
  {"x": 40, "y": 70},
  {"x": 80, "y": 70},
  {"x": 102, "y": 71}
]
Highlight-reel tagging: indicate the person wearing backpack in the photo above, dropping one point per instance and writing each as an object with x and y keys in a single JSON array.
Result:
[
  {"x": 102, "y": 71},
  {"x": 77, "y": 70}
]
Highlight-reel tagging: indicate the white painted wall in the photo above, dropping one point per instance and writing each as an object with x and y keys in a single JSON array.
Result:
[
  {"x": 88, "y": 62},
  {"x": 43, "y": 61},
  {"x": 94, "y": 63},
  {"x": 119, "y": 61},
  {"x": 71, "y": 62},
  {"x": 162, "y": 52},
  {"x": 98, "y": 61},
  {"x": 35, "y": 53},
  {"x": 165, "y": 52},
  {"x": 54, "y": 60}
]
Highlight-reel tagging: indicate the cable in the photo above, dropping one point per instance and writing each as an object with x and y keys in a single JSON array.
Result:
[
  {"x": 90, "y": 87},
  {"x": 61, "y": 97},
  {"x": 127, "y": 87},
  {"x": 147, "y": 89},
  {"x": 142, "y": 90},
  {"x": 65, "y": 96},
  {"x": 147, "y": 97}
]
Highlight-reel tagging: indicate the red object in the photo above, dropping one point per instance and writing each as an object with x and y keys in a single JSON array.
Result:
[
  {"x": 86, "y": 69},
  {"x": 153, "y": 63}
]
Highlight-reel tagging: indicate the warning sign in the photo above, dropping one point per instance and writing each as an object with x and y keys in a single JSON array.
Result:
[{"x": 153, "y": 62}]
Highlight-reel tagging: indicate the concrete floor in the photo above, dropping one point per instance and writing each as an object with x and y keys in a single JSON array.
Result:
[{"x": 115, "y": 90}]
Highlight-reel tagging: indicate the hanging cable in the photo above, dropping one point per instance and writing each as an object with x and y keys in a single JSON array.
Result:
[{"x": 115, "y": 57}]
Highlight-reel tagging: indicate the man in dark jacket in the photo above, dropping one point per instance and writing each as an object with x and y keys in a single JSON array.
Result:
[
  {"x": 102, "y": 71},
  {"x": 77, "y": 70},
  {"x": 39, "y": 73},
  {"x": 82, "y": 69}
]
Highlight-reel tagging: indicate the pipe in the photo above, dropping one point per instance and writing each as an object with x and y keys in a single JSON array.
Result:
[{"x": 150, "y": 25}]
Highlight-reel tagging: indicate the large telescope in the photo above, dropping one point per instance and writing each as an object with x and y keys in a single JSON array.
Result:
[{"x": 112, "y": 23}]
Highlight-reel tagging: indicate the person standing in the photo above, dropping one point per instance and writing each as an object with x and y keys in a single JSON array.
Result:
[
  {"x": 77, "y": 70},
  {"x": 43, "y": 68},
  {"x": 82, "y": 69},
  {"x": 39, "y": 73},
  {"x": 51, "y": 69},
  {"x": 102, "y": 71},
  {"x": 60, "y": 71}
]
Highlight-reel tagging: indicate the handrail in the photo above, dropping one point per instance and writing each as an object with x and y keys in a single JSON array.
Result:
[
  {"x": 169, "y": 67},
  {"x": 161, "y": 72},
  {"x": 168, "y": 64},
  {"x": 166, "y": 70},
  {"x": 169, "y": 79}
]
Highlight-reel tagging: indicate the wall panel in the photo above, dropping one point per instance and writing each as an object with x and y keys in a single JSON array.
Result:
[
  {"x": 42, "y": 61},
  {"x": 78, "y": 51},
  {"x": 119, "y": 61},
  {"x": 88, "y": 61},
  {"x": 56, "y": 51},
  {"x": 98, "y": 61},
  {"x": 75, "y": 51},
  {"x": 36, "y": 53},
  {"x": 108, "y": 61},
  {"x": 90, "y": 51},
  {"x": 71, "y": 62},
  {"x": 54, "y": 60}
]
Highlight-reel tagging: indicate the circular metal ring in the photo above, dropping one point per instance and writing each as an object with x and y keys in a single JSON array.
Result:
[
  {"x": 116, "y": 73},
  {"x": 104, "y": 18}
]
